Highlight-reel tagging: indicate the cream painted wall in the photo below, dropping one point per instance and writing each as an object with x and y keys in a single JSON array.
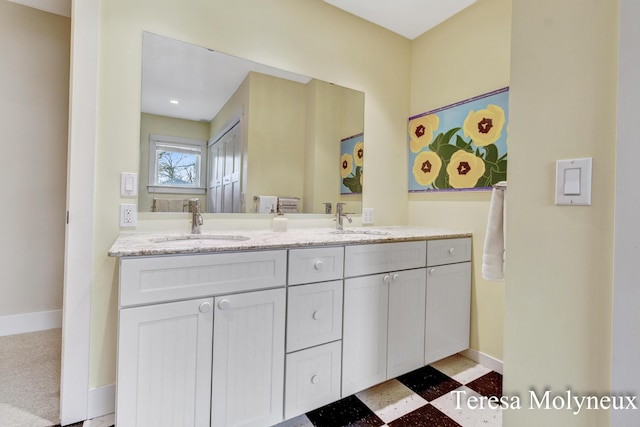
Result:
[
  {"x": 333, "y": 113},
  {"x": 169, "y": 126},
  {"x": 465, "y": 56},
  {"x": 309, "y": 38},
  {"x": 559, "y": 275},
  {"x": 34, "y": 83},
  {"x": 275, "y": 153}
]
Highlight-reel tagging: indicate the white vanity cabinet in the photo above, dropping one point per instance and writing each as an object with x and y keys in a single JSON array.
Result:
[
  {"x": 448, "y": 298},
  {"x": 216, "y": 358},
  {"x": 384, "y": 313},
  {"x": 252, "y": 337}
]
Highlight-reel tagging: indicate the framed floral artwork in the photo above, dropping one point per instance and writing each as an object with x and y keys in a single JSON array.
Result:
[
  {"x": 462, "y": 146},
  {"x": 351, "y": 156}
]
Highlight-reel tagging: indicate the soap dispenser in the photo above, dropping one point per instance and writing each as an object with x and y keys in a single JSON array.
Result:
[{"x": 279, "y": 222}]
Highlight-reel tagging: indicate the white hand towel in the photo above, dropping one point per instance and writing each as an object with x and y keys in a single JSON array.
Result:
[
  {"x": 266, "y": 204},
  {"x": 494, "y": 256}
]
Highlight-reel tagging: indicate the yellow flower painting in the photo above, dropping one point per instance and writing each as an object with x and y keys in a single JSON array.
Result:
[
  {"x": 346, "y": 165},
  {"x": 351, "y": 161},
  {"x": 462, "y": 146},
  {"x": 465, "y": 169},
  {"x": 421, "y": 131},
  {"x": 484, "y": 126},
  {"x": 358, "y": 153},
  {"x": 426, "y": 167}
]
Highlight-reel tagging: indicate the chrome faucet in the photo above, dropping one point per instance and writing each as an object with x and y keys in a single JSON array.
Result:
[
  {"x": 196, "y": 217},
  {"x": 340, "y": 215}
]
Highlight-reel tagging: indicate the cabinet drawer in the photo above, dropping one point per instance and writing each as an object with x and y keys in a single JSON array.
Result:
[
  {"x": 314, "y": 314},
  {"x": 154, "y": 279},
  {"x": 380, "y": 257},
  {"x": 312, "y": 378},
  {"x": 315, "y": 265},
  {"x": 448, "y": 251}
]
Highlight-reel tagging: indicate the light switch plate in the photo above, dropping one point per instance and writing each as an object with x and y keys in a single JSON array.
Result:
[
  {"x": 128, "y": 184},
  {"x": 573, "y": 182}
]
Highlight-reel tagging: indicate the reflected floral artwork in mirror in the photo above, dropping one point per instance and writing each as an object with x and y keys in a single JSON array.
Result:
[
  {"x": 351, "y": 157},
  {"x": 462, "y": 146}
]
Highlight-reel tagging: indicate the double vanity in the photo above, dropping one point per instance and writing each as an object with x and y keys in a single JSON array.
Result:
[{"x": 251, "y": 328}]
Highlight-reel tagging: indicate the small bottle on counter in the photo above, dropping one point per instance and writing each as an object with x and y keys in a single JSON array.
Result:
[{"x": 279, "y": 223}]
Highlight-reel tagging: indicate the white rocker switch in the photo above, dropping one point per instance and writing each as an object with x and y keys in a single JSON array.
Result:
[{"x": 572, "y": 182}]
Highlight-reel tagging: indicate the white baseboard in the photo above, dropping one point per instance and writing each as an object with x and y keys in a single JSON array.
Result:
[
  {"x": 102, "y": 401},
  {"x": 483, "y": 359},
  {"x": 30, "y": 322}
]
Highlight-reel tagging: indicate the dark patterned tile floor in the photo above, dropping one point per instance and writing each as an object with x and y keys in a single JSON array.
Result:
[{"x": 433, "y": 396}]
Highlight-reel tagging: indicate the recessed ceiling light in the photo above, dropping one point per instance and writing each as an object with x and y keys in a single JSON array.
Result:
[{"x": 174, "y": 101}]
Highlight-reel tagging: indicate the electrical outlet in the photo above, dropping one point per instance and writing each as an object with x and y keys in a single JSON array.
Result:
[
  {"x": 367, "y": 216},
  {"x": 128, "y": 215}
]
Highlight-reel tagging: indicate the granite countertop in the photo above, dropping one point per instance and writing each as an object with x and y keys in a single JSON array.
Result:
[{"x": 167, "y": 243}]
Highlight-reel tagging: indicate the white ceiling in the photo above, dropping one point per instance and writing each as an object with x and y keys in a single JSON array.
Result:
[{"x": 409, "y": 18}]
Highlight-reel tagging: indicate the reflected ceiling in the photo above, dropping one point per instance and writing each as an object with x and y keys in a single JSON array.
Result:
[{"x": 201, "y": 80}]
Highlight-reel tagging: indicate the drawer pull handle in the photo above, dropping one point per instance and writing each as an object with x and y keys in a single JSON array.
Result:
[
  {"x": 318, "y": 265},
  {"x": 386, "y": 278},
  {"x": 451, "y": 251},
  {"x": 205, "y": 307},
  {"x": 224, "y": 304},
  {"x": 315, "y": 379},
  {"x": 395, "y": 277},
  {"x": 432, "y": 271},
  {"x": 316, "y": 315}
]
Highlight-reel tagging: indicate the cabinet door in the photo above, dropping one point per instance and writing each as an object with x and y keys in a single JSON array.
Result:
[
  {"x": 448, "y": 310},
  {"x": 406, "y": 321},
  {"x": 248, "y": 359},
  {"x": 364, "y": 338},
  {"x": 164, "y": 364}
]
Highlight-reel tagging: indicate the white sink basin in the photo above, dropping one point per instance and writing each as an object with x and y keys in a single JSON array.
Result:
[
  {"x": 352, "y": 231},
  {"x": 200, "y": 237}
]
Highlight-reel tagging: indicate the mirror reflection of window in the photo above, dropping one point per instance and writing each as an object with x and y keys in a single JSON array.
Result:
[{"x": 176, "y": 165}]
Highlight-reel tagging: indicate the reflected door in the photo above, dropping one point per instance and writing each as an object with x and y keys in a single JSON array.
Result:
[{"x": 225, "y": 161}]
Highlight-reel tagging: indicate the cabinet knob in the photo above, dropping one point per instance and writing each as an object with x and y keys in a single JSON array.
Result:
[
  {"x": 316, "y": 315},
  {"x": 318, "y": 265},
  {"x": 315, "y": 379},
  {"x": 395, "y": 277},
  {"x": 386, "y": 278},
  {"x": 432, "y": 271},
  {"x": 224, "y": 304},
  {"x": 205, "y": 307},
  {"x": 451, "y": 251}
]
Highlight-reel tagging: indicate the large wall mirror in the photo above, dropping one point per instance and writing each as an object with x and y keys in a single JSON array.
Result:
[{"x": 243, "y": 137}]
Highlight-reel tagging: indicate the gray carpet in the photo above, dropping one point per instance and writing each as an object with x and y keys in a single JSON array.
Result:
[{"x": 30, "y": 379}]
